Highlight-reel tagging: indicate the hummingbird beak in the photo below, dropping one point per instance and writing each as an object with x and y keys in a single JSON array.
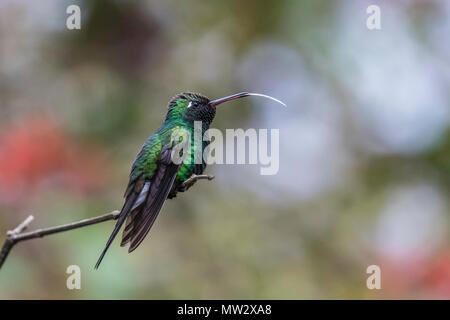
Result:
[{"x": 216, "y": 102}]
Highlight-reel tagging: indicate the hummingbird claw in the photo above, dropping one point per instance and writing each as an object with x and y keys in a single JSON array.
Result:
[{"x": 193, "y": 179}]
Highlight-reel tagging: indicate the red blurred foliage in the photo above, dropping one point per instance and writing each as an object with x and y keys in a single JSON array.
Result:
[
  {"x": 401, "y": 276},
  {"x": 37, "y": 154},
  {"x": 437, "y": 277},
  {"x": 423, "y": 277}
]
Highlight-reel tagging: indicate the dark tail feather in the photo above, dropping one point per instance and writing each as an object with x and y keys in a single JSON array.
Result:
[
  {"x": 129, "y": 202},
  {"x": 111, "y": 238}
]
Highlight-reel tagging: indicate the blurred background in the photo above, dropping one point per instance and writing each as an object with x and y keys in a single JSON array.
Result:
[{"x": 364, "y": 147}]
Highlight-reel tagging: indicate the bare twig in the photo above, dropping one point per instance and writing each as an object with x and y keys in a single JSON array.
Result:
[
  {"x": 21, "y": 227},
  {"x": 17, "y": 235}
]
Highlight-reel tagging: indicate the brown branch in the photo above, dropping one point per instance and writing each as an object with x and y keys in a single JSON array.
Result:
[{"x": 17, "y": 235}]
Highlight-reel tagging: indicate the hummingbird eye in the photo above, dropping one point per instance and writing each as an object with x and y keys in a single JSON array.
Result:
[{"x": 193, "y": 104}]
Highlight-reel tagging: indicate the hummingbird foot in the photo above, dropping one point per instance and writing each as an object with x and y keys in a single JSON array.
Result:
[{"x": 193, "y": 179}]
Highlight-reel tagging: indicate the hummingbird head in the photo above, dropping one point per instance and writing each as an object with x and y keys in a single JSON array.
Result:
[{"x": 191, "y": 107}]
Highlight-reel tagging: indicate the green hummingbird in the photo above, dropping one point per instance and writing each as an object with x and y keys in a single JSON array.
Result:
[{"x": 154, "y": 175}]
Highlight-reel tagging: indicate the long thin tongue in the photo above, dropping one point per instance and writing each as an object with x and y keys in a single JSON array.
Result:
[{"x": 242, "y": 95}]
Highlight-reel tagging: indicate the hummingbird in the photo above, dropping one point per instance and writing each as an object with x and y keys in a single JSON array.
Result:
[{"x": 155, "y": 177}]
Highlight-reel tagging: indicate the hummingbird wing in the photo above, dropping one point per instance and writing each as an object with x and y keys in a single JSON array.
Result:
[
  {"x": 148, "y": 204},
  {"x": 152, "y": 173}
]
